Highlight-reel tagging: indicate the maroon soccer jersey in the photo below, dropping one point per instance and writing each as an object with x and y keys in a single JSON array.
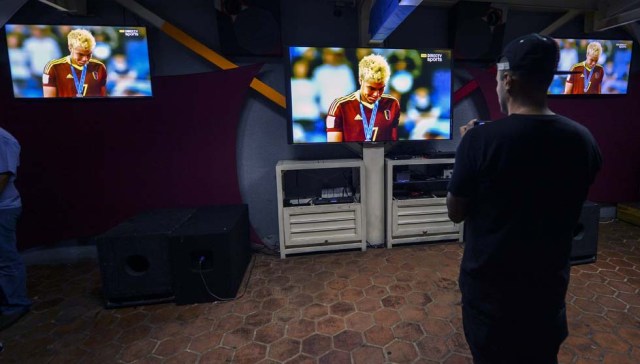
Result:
[
  {"x": 57, "y": 73},
  {"x": 345, "y": 114},
  {"x": 578, "y": 79}
]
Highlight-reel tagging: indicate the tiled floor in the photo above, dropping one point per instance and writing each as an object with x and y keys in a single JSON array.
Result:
[{"x": 397, "y": 305}]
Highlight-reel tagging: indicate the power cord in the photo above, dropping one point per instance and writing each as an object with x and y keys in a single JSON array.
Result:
[{"x": 245, "y": 281}]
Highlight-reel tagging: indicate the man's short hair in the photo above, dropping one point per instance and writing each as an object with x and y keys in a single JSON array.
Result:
[
  {"x": 594, "y": 49},
  {"x": 374, "y": 67},
  {"x": 81, "y": 38}
]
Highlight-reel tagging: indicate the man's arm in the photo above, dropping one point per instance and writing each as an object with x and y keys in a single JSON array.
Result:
[
  {"x": 457, "y": 208},
  {"x": 49, "y": 91}
]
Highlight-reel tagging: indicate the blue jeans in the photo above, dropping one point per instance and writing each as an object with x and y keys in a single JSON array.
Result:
[{"x": 13, "y": 275}]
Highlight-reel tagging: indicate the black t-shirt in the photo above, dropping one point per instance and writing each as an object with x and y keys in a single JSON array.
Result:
[{"x": 526, "y": 178}]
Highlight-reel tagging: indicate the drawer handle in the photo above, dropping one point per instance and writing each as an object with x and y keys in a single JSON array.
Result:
[{"x": 326, "y": 241}]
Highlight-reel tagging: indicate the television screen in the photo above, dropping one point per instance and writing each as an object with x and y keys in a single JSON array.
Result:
[
  {"x": 592, "y": 67},
  {"x": 368, "y": 94},
  {"x": 66, "y": 61}
]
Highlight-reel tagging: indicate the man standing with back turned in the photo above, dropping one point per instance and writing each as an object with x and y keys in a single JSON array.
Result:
[
  {"x": 14, "y": 302},
  {"x": 519, "y": 184}
]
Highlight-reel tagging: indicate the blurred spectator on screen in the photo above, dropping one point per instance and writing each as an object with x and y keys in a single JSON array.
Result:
[
  {"x": 333, "y": 77},
  {"x": 304, "y": 99},
  {"x": 42, "y": 48},
  {"x": 19, "y": 60},
  {"x": 568, "y": 54}
]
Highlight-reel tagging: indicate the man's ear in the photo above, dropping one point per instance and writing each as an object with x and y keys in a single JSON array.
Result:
[{"x": 508, "y": 80}]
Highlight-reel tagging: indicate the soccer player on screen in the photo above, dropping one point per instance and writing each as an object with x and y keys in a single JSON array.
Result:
[
  {"x": 366, "y": 114},
  {"x": 586, "y": 76},
  {"x": 76, "y": 75}
]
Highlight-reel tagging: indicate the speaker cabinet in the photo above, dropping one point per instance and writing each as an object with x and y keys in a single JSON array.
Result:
[
  {"x": 209, "y": 254},
  {"x": 585, "y": 236},
  {"x": 476, "y": 30},
  {"x": 134, "y": 258}
]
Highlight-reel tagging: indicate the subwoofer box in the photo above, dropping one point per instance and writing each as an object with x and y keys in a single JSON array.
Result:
[
  {"x": 584, "y": 248},
  {"x": 210, "y": 253},
  {"x": 134, "y": 258}
]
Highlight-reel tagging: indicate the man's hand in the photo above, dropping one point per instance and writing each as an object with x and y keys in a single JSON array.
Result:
[{"x": 467, "y": 126}]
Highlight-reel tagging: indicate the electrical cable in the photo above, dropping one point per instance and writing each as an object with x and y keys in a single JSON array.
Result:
[{"x": 245, "y": 282}]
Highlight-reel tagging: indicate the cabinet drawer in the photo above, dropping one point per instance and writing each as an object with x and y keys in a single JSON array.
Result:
[
  {"x": 312, "y": 225},
  {"x": 416, "y": 228},
  {"x": 421, "y": 217},
  {"x": 438, "y": 201},
  {"x": 419, "y": 207}
]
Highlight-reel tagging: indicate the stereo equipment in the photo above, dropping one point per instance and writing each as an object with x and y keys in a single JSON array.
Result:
[
  {"x": 186, "y": 255},
  {"x": 134, "y": 258},
  {"x": 585, "y": 236},
  {"x": 209, "y": 254}
]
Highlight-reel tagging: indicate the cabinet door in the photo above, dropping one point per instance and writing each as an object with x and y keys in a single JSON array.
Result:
[
  {"x": 421, "y": 217},
  {"x": 318, "y": 225}
]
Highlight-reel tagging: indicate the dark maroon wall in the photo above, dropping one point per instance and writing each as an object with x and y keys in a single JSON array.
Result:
[
  {"x": 87, "y": 165},
  {"x": 614, "y": 122}
]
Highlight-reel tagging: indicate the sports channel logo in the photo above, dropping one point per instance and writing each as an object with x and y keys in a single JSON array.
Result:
[
  {"x": 432, "y": 57},
  {"x": 130, "y": 32}
]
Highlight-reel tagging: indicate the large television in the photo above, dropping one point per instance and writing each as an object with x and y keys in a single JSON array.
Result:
[
  {"x": 79, "y": 62},
  {"x": 326, "y": 101},
  {"x": 592, "y": 67}
]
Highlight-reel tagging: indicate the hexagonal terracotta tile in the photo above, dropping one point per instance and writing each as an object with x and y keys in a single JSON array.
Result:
[{"x": 316, "y": 345}]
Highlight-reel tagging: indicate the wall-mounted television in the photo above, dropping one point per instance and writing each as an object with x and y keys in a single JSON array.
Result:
[
  {"x": 328, "y": 102},
  {"x": 68, "y": 61},
  {"x": 592, "y": 67}
]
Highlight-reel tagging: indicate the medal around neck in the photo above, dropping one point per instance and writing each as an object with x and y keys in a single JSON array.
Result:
[{"x": 79, "y": 82}]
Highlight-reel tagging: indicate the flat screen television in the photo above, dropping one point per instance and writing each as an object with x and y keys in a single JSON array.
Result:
[
  {"x": 326, "y": 101},
  {"x": 68, "y": 61},
  {"x": 592, "y": 67}
]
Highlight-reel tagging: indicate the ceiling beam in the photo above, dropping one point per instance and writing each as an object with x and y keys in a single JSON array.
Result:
[
  {"x": 386, "y": 16},
  {"x": 613, "y": 7},
  {"x": 364, "y": 12},
  {"x": 608, "y": 18},
  {"x": 537, "y": 5},
  {"x": 78, "y": 7},
  {"x": 634, "y": 30},
  {"x": 561, "y": 21},
  {"x": 8, "y": 8}
]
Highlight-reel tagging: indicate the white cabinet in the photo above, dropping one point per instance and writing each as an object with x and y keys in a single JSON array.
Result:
[
  {"x": 415, "y": 200},
  {"x": 319, "y": 205}
]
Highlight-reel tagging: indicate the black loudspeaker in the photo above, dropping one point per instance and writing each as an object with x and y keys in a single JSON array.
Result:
[
  {"x": 209, "y": 254},
  {"x": 134, "y": 258},
  {"x": 476, "y": 31},
  {"x": 584, "y": 248}
]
